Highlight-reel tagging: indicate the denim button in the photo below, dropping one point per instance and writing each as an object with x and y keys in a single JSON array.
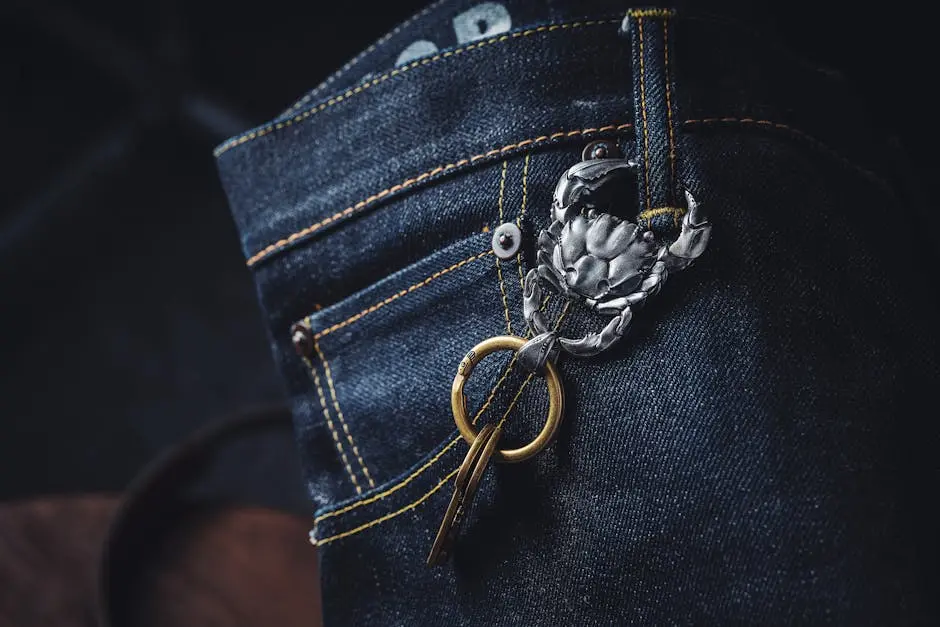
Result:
[{"x": 506, "y": 240}]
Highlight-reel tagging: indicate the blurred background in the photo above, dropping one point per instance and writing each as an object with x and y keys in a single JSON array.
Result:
[{"x": 128, "y": 316}]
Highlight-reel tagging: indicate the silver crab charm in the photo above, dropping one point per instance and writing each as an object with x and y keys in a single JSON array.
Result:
[{"x": 612, "y": 264}]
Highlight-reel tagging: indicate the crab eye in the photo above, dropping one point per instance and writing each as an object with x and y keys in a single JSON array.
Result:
[{"x": 600, "y": 149}]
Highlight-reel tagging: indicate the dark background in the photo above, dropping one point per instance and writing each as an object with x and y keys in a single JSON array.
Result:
[{"x": 128, "y": 315}]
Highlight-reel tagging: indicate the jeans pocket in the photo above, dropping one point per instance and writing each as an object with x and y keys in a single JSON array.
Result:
[{"x": 382, "y": 360}]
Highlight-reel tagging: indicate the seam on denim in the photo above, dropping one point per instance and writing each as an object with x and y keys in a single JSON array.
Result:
[
  {"x": 275, "y": 126},
  {"x": 528, "y": 379},
  {"x": 676, "y": 212},
  {"x": 362, "y": 204},
  {"x": 525, "y": 197},
  {"x": 803, "y": 135},
  {"x": 447, "y": 478},
  {"x": 672, "y": 139},
  {"x": 646, "y": 129},
  {"x": 499, "y": 266},
  {"x": 638, "y": 13},
  {"x": 396, "y": 296},
  {"x": 356, "y": 59},
  {"x": 329, "y": 424},
  {"x": 388, "y": 516},
  {"x": 429, "y": 463},
  {"x": 395, "y": 488},
  {"x": 339, "y": 412}
]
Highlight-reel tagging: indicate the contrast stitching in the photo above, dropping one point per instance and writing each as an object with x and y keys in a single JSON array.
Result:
[
  {"x": 525, "y": 195},
  {"x": 672, "y": 141},
  {"x": 362, "y": 204},
  {"x": 646, "y": 129},
  {"x": 658, "y": 211},
  {"x": 339, "y": 412},
  {"x": 499, "y": 266},
  {"x": 430, "y": 462},
  {"x": 276, "y": 126},
  {"x": 389, "y": 516},
  {"x": 340, "y": 72},
  {"x": 393, "y": 489},
  {"x": 398, "y": 295},
  {"x": 792, "y": 130},
  {"x": 443, "y": 481},
  {"x": 329, "y": 424},
  {"x": 638, "y": 13}
]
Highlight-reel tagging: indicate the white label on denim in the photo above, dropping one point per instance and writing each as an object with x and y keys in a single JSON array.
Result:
[{"x": 482, "y": 21}]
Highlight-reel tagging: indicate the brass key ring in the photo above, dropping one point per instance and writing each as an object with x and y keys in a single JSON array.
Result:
[{"x": 458, "y": 401}]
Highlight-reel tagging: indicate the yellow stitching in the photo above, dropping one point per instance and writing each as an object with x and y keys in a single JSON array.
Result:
[
  {"x": 515, "y": 399},
  {"x": 658, "y": 211},
  {"x": 499, "y": 267},
  {"x": 404, "y": 292},
  {"x": 274, "y": 126},
  {"x": 389, "y": 516},
  {"x": 394, "y": 488},
  {"x": 430, "y": 462},
  {"x": 283, "y": 243},
  {"x": 525, "y": 195},
  {"x": 652, "y": 13},
  {"x": 672, "y": 141},
  {"x": 646, "y": 129},
  {"x": 495, "y": 390},
  {"x": 329, "y": 423},
  {"x": 339, "y": 412}
]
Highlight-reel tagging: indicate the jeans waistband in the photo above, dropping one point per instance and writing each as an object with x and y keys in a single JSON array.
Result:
[{"x": 332, "y": 158}]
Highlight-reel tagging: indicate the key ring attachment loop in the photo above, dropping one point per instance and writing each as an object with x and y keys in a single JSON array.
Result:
[{"x": 458, "y": 401}]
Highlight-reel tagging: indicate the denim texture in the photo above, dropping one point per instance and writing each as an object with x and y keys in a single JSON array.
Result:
[{"x": 755, "y": 451}]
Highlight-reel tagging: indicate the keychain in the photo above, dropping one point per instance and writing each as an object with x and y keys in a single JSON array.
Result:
[{"x": 610, "y": 265}]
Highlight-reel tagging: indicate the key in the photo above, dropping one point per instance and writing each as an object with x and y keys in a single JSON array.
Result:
[{"x": 465, "y": 488}]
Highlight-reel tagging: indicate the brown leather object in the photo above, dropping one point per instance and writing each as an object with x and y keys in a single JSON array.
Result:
[{"x": 223, "y": 566}]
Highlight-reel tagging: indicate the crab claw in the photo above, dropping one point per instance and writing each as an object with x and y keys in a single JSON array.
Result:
[
  {"x": 586, "y": 184},
  {"x": 693, "y": 238}
]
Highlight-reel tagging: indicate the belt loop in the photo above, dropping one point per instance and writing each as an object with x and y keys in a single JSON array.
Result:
[{"x": 649, "y": 32}]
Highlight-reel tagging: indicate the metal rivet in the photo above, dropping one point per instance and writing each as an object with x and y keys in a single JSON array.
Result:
[
  {"x": 600, "y": 149},
  {"x": 506, "y": 240},
  {"x": 302, "y": 339}
]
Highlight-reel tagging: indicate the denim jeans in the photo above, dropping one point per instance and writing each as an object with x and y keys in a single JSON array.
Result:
[{"x": 755, "y": 451}]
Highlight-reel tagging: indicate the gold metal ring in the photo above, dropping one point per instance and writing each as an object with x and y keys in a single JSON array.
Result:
[{"x": 458, "y": 401}]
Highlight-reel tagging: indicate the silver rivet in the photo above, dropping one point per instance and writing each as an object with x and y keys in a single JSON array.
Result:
[{"x": 506, "y": 240}]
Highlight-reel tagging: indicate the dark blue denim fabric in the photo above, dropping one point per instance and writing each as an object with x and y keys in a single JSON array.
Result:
[{"x": 756, "y": 451}]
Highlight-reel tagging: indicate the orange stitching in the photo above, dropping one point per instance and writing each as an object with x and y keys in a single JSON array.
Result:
[
  {"x": 525, "y": 195},
  {"x": 499, "y": 266},
  {"x": 339, "y": 412},
  {"x": 398, "y": 295},
  {"x": 329, "y": 423},
  {"x": 283, "y": 243},
  {"x": 672, "y": 141},
  {"x": 646, "y": 129},
  {"x": 276, "y": 126}
]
